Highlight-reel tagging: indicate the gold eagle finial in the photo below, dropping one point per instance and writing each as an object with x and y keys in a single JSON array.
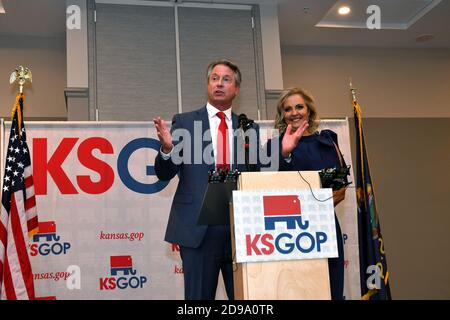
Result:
[{"x": 21, "y": 75}]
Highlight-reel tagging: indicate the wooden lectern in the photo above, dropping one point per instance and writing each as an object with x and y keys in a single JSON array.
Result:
[{"x": 280, "y": 280}]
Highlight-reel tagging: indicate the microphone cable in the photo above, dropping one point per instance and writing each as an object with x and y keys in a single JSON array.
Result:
[{"x": 310, "y": 189}]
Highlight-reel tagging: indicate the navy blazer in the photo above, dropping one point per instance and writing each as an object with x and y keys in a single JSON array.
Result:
[{"x": 182, "y": 226}]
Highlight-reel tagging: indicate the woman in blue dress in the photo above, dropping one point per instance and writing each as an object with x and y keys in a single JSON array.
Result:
[{"x": 304, "y": 148}]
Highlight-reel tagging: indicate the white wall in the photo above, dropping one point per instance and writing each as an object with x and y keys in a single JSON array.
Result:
[{"x": 389, "y": 82}]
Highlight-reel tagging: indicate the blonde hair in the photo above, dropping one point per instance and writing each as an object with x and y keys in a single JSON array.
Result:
[{"x": 313, "y": 120}]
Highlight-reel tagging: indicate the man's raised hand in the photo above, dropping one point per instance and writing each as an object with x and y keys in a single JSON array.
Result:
[{"x": 164, "y": 135}]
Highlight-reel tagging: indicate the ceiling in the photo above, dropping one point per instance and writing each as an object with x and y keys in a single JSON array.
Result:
[
  {"x": 297, "y": 28},
  {"x": 297, "y": 22}
]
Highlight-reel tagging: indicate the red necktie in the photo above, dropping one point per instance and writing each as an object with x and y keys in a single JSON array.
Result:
[{"x": 223, "y": 149}]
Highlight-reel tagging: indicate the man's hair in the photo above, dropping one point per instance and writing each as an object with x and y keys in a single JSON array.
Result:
[{"x": 229, "y": 64}]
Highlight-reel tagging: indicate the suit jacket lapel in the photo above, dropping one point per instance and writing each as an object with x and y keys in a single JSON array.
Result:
[{"x": 203, "y": 116}]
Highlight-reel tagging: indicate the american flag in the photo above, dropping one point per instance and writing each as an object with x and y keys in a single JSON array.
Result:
[{"x": 18, "y": 218}]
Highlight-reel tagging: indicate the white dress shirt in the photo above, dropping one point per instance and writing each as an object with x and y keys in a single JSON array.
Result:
[{"x": 214, "y": 122}]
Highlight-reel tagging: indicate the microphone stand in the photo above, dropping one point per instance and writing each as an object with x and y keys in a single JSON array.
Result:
[
  {"x": 247, "y": 150},
  {"x": 246, "y": 124}
]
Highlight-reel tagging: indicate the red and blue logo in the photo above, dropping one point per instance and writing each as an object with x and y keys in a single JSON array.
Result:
[
  {"x": 279, "y": 210},
  {"x": 122, "y": 264},
  {"x": 123, "y": 275},
  {"x": 46, "y": 241},
  {"x": 285, "y": 209}
]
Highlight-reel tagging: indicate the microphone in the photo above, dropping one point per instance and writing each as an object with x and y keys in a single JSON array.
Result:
[{"x": 244, "y": 122}]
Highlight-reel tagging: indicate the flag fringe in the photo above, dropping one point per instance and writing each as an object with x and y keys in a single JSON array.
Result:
[{"x": 17, "y": 108}]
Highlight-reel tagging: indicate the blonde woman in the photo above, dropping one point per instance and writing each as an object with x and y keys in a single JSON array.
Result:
[{"x": 304, "y": 148}]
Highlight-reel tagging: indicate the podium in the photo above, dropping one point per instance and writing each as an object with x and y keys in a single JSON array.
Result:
[{"x": 279, "y": 280}]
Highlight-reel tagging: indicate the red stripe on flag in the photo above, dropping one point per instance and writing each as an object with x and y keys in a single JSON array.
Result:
[
  {"x": 3, "y": 239},
  {"x": 28, "y": 182},
  {"x": 7, "y": 279},
  {"x": 1, "y": 274},
  {"x": 281, "y": 205},
  {"x": 30, "y": 203},
  {"x": 21, "y": 248},
  {"x": 3, "y": 234},
  {"x": 32, "y": 224}
]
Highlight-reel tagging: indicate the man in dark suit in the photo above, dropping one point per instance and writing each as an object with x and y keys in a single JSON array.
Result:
[{"x": 205, "y": 250}]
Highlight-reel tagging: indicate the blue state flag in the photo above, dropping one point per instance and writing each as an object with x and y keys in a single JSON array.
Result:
[{"x": 373, "y": 264}]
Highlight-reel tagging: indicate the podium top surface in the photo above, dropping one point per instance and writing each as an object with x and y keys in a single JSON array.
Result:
[{"x": 278, "y": 180}]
